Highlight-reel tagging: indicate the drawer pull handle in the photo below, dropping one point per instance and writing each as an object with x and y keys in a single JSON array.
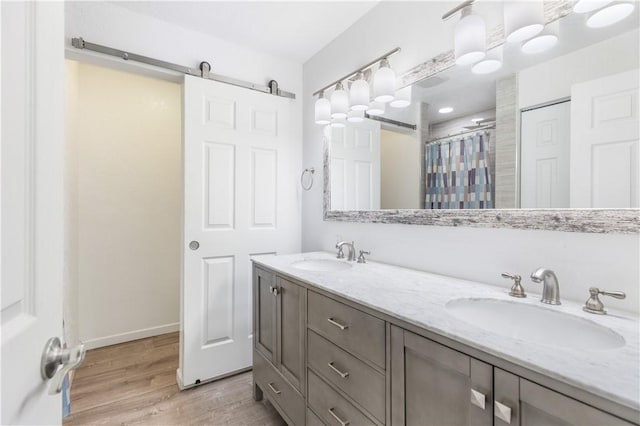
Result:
[
  {"x": 335, "y": 416},
  {"x": 478, "y": 399},
  {"x": 503, "y": 412},
  {"x": 340, "y": 373},
  {"x": 274, "y": 390},
  {"x": 337, "y": 324}
]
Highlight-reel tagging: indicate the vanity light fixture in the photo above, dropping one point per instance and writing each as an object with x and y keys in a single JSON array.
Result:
[
  {"x": 375, "y": 108},
  {"x": 610, "y": 15},
  {"x": 384, "y": 83},
  {"x": 355, "y": 116},
  {"x": 469, "y": 38},
  {"x": 339, "y": 102},
  {"x": 492, "y": 63},
  {"x": 323, "y": 110},
  {"x": 523, "y": 19},
  {"x": 359, "y": 93},
  {"x": 445, "y": 110},
  {"x": 402, "y": 99},
  {"x": 585, "y": 6}
]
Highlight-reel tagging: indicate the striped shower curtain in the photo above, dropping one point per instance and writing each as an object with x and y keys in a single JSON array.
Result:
[{"x": 458, "y": 174}]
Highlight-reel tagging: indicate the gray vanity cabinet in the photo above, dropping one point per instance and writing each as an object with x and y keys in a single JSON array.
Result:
[
  {"x": 523, "y": 403},
  {"x": 434, "y": 385}
]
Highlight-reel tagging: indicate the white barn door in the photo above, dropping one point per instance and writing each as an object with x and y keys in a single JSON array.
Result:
[
  {"x": 241, "y": 161},
  {"x": 605, "y": 142},
  {"x": 32, "y": 152},
  {"x": 355, "y": 166}
]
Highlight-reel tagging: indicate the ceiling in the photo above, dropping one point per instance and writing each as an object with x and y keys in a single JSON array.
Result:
[{"x": 291, "y": 29}]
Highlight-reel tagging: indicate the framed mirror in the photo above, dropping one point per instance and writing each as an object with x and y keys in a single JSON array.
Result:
[{"x": 549, "y": 140}]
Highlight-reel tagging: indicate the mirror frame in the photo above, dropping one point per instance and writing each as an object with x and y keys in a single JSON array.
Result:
[{"x": 619, "y": 221}]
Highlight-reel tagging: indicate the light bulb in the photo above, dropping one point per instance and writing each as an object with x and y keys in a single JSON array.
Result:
[
  {"x": 359, "y": 94},
  {"x": 469, "y": 39},
  {"x": 402, "y": 98},
  {"x": 384, "y": 83},
  {"x": 339, "y": 102},
  {"x": 323, "y": 110},
  {"x": 523, "y": 19},
  {"x": 610, "y": 15}
]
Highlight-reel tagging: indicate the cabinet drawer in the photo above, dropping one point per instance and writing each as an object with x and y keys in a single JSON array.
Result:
[
  {"x": 332, "y": 408},
  {"x": 278, "y": 390},
  {"x": 355, "y": 378},
  {"x": 348, "y": 328}
]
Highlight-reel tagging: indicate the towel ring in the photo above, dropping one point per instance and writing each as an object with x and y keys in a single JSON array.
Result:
[{"x": 311, "y": 171}]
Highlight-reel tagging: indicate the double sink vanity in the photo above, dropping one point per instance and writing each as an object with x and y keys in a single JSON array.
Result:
[{"x": 339, "y": 342}]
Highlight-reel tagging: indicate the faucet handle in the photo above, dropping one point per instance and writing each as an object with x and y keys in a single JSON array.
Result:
[
  {"x": 516, "y": 290},
  {"x": 340, "y": 252},
  {"x": 594, "y": 305},
  {"x": 361, "y": 258}
]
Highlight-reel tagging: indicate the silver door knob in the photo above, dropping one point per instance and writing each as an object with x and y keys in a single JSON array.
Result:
[
  {"x": 194, "y": 245},
  {"x": 56, "y": 363}
]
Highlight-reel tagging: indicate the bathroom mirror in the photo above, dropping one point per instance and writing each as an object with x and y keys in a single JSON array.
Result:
[{"x": 556, "y": 132}]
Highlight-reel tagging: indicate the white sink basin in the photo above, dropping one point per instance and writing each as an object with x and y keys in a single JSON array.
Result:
[
  {"x": 321, "y": 265},
  {"x": 534, "y": 324}
]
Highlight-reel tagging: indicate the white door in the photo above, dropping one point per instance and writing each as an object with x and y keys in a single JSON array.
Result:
[
  {"x": 241, "y": 165},
  {"x": 605, "y": 134},
  {"x": 32, "y": 204},
  {"x": 544, "y": 181},
  {"x": 355, "y": 166}
]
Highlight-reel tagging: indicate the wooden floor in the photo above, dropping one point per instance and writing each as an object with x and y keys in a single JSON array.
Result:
[{"x": 135, "y": 383}]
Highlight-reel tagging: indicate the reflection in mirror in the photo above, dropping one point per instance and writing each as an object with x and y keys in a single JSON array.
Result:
[{"x": 557, "y": 129}]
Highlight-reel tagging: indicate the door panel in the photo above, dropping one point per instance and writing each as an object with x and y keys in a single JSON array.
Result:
[
  {"x": 265, "y": 316},
  {"x": 291, "y": 313},
  {"x": 240, "y": 166}
]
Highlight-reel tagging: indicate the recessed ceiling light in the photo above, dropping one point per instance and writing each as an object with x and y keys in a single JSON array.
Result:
[
  {"x": 475, "y": 120},
  {"x": 539, "y": 44},
  {"x": 584, "y": 6},
  {"x": 610, "y": 15},
  {"x": 445, "y": 110},
  {"x": 487, "y": 66}
]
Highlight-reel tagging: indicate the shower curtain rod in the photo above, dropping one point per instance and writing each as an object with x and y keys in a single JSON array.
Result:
[
  {"x": 202, "y": 71},
  {"x": 492, "y": 126}
]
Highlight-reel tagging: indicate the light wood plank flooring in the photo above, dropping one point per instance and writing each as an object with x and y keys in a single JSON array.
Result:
[{"x": 135, "y": 383}]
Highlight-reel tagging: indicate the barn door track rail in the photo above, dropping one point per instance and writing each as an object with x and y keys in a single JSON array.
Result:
[{"x": 203, "y": 71}]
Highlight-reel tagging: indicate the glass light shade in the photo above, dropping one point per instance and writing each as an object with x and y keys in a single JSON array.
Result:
[
  {"x": 338, "y": 123},
  {"x": 585, "y": 6},
  {"x": 610, "y": 15},
  {"x": 539, "y": 44},
  {"x": 384, "y": 83},
  {"x": 470, "y": 40},
  {"x": 323, "y": 110},
  {"x": 487, "y": 66},
  {"x": 359, "y": 94},
  {"x": 355, "y": 116},
  {"x": 375, "y": 108},
  {"x": 523, "y": 19},
  {"x": 402, "y": 98},
  {"x": 339, "y": 102}
]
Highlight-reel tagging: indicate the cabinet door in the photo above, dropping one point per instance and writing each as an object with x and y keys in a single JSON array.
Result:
[
  {"x": 523, "y": 403},
  {"x": 434, "y": 385},
  {"x": 264, "y": 313},
  {"x": 291, "y": 316}
]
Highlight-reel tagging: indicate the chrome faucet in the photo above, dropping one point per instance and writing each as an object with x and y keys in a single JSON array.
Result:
[
  {"x": 352, "y": 251},
  {"x": 550, "y": 289}
]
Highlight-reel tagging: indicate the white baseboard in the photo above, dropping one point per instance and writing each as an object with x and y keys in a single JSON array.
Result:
[{"x": 131, "y": 335}]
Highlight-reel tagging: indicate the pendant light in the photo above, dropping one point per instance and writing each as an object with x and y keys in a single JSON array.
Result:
[
  {"x": 338, "y": 123},
  {"x": 610, "y": 15},
  {"x": 339, "y": 102},
  {"x": 359, "y": 93},
  {"x": 323, "y": 110},
  {"x": 544, "y": 41},
  {"x": 585, "y": 6},
  {"x": 523, "y": 19},
  {"x": 470, "y": 38},
  {"x": 355, "y": 116},
  {"x": 402, "y": 98},
  {"x": 492, "y": 63},
  {"x": 375, "y": 108},
  {"x": 384, "y": 83}
]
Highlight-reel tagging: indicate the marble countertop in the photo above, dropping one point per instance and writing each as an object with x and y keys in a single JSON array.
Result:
[{"x": 420, "y": 298}]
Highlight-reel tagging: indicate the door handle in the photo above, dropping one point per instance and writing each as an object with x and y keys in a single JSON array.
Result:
[
  {"x": 337, "y": 324},
  {"x": 273, "y": 389},
  {"x": 53, "y": 357},
  {"x": 335, "y": 416},
  {"x": 194, "y": 245},
  {"x": 478, "y": 399},
  {"x": 503, "y": 412},
  {"x": 344, "y": 375}
]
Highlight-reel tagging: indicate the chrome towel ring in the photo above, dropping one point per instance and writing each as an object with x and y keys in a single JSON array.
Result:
[{"x": 310, "y": 171}]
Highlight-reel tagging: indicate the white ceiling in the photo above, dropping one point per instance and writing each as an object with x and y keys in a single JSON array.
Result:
[{"x": 295, "y": 30}]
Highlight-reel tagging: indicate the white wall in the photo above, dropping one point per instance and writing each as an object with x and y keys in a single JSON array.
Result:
[
  {"x": 608, "y": 57},
  {"x": 399, "y": 170},
  {"x": 126, "y": 139},
  {"x": 580, "y": 260}
]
